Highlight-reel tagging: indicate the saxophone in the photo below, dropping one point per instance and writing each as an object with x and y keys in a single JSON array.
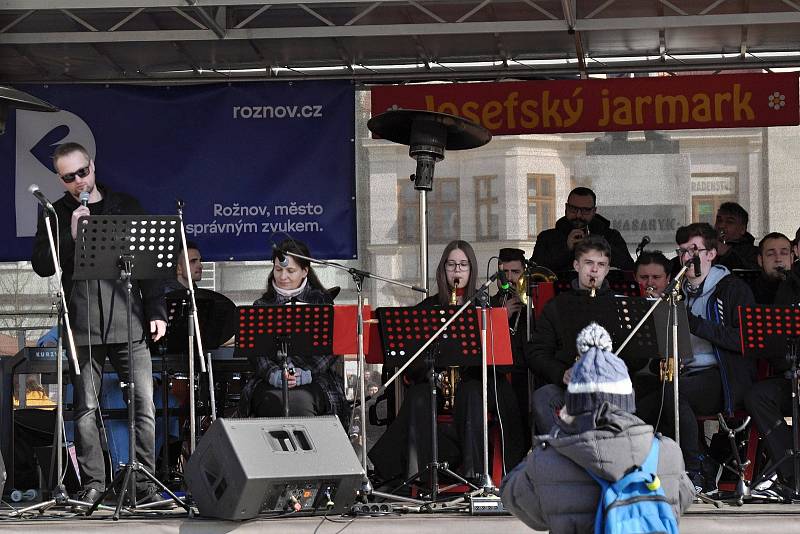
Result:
[
  {"x": 454, "y": 292},
  {"x": 450, "y": 378}
]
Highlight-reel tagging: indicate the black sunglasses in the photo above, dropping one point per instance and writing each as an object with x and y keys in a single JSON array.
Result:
[{"x": 80, "y": 173}]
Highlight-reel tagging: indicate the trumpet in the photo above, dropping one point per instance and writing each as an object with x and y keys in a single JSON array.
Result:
[
  {"x": 722, "y": 237},
  {"x": 592, "y": 287},
  {"x": 650, "y": 291},
  {"x": 454, "y": 292}
]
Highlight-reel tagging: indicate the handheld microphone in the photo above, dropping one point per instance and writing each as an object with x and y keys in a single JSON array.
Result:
[
  {"x": 502, "y": 282},
  {"x": 643, "y": 243},
  {"x": 281, "y": 257},
  {"x": 84, "y": 197},
  {"x": 34, "y": 190}
]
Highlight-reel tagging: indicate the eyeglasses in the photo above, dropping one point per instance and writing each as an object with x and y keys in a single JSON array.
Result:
[
  {"x": 692, "y": 251},
  {"x": 577, "y": 209},
  {"x": 451, "y": 265},
  {"x": 80, "y": 173}
]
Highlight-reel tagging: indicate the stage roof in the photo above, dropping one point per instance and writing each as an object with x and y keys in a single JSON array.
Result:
[{"x": 368, "y": 41}]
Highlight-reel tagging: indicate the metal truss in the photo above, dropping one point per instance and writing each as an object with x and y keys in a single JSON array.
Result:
[{"x": 387, "y": 40}]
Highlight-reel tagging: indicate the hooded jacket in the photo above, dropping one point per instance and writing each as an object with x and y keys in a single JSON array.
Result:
[
  {"x": 551, "y": 490},
  {"x": 551, "y": 245},
  {"x": 106, "y": 321},
  {"x": 720, "y": 327}
]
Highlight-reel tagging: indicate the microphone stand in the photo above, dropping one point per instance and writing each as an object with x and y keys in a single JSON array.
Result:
[
  {"x": 672, "y": 294},
  {"x": 434, "y": 466},
  {"x": 59, "y": 494},
  {"x": 358, "y": 278},
  {"x": 193, "y": 328}
]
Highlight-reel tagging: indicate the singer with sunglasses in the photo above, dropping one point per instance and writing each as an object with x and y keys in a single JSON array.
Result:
[
  {"x": 715, "y": 377},
  {"x": 555, "y": 248},
  {"x": 405, "y": 448},
  {"x": 99, "y": 321}
]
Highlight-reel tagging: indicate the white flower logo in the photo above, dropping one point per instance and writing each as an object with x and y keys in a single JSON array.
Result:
[{"x": 777, "y": 100}]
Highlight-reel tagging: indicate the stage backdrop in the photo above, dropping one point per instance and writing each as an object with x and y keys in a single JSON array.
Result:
[{"x": 252, "y": 162}]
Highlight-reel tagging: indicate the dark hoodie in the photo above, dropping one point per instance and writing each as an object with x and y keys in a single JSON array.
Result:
[
  {"x": 551, "y": 245},
  {"x": 743, "y": 254},
  {"x": 551, "y": 490}
]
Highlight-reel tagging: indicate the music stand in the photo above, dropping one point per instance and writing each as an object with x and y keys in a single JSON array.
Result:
[
  {"x": 127, "y": 248},
  {"x": 406, "y": 331},
  {"x": 305, "y": 329},
  {"x": 765, "y": 332}
]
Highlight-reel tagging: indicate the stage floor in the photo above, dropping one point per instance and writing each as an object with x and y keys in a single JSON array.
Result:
[{"x": 702, "y": 519}]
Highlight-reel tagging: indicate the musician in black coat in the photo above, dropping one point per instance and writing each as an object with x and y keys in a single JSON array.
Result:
[{"x": 97, "y": 310}]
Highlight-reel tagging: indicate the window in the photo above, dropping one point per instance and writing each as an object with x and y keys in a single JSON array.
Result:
[
  {"x": 444, "y": 221},
  {"x": 541, "y": 203},
  {"x": 709, "y": 190},
  {"x": 487, "y": 219}
]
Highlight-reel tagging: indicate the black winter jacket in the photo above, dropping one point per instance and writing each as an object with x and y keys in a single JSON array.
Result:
[
  {"x": 105, "y": 298},
  {"x": 552, "y": 252},
  {"x": 548, "y": 355}
]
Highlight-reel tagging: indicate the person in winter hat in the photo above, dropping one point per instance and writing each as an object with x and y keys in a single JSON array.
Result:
[{"x": 595, "y": 431}]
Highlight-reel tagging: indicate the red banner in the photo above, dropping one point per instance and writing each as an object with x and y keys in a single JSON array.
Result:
[{"x": 621, "y": 104}]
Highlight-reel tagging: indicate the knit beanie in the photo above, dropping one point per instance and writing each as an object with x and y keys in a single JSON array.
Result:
[{"x": 599, "y": 375}]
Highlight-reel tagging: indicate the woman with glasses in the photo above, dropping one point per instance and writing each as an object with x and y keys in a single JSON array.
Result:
[
  {"x": 405, "y": 448},
  {"x": 315, "y": 388}
]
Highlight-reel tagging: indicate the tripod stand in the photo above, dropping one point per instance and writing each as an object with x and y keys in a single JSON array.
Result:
[
  {"x": 402, "y": 328},
  {"x": 123, "y": 248},
  {"x": 59, "y": 494}
]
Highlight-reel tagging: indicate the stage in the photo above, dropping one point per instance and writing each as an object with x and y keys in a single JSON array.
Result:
[{"x": 701, "y": 519}]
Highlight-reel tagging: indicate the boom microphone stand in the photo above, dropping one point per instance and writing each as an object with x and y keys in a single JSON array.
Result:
[
  {"x": 358, "y": 278},
  {"x": 194, "y": 334},
  {"x": 59, "y": 494},
  {"x": 672, "y": 294},
  {"x": 435, "y": 466}
]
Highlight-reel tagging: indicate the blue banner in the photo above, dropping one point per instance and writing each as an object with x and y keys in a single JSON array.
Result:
[{"x": 252, "y": 162}]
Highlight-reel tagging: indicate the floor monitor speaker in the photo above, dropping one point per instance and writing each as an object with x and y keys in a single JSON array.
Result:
[{"x": 300, "y": 465}]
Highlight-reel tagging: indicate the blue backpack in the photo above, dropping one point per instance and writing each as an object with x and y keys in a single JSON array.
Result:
[{"x": 636, "y": 503}]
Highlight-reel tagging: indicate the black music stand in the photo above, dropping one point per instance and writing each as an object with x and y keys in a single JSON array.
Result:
[
  {"x": 767, "y": 331},
  {"x": 127, "y": 248},
  {"x": 305, "y": 329},
  {"x": 404, "y": 331},
  {"x": 619, "y": 316}
]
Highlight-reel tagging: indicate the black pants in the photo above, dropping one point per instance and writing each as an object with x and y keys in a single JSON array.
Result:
[
  {"x": 405, "y": 448},
  {"x": 86, "y": 388},
  {"x": 698, "y": 394},
  {"x": 304, "y": 401},
  {"x": 502, "y": 403},
  {"x": 768, "y": 402}
]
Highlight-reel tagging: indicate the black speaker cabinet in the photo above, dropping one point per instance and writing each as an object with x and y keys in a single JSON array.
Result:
[{"x": 245, "y": 467}]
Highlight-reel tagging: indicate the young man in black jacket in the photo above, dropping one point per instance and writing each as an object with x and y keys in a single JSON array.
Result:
[
  {"x": 555, "y": 248},
  {"x": 769, "y": 400},
  {"x": 97, "y": 309},
  {"x": 735, "y": 245},
  {"x": 549, "y": 356},
  {"x": 715, "y": 377}
]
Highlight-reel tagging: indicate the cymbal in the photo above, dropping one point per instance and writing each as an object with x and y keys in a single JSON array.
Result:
[
  {"x": 399, "y": 125},
  {"x": 215, "y": 312},
  {"x": 17, "y": 99}
]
